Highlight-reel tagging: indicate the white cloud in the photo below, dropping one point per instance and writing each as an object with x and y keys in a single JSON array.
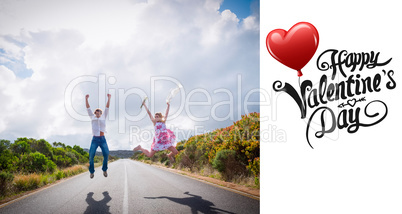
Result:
[
  {"x": 130, "y": 42},
  {"x": 6, "y": 75}
]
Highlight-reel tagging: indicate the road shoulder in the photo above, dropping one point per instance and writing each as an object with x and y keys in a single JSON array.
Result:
[{"x": 243, "y": 190}]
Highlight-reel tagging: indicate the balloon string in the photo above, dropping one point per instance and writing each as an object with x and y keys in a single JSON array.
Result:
[{"x": 299, "y": 83}]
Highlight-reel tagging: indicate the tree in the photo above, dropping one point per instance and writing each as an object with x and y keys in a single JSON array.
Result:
[
  {"x": 41, "y": 146},
  {"x": 4, "y": 145},
  {"x": 80, "y": 150},
  {"x": 20, "y": 147},
  {"x": 8, "y": 161},
  {"x": 36, "y": 162},
  {"x": 59, "y": 144}
]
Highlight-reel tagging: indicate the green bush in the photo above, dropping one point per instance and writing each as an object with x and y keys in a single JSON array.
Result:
[
  {"x": 138, "y": 155},
  {"x": 47, "y": 179},
  {"x": 66, "y": 156},
  {"x": 227, "y": 164},
  {"x": 15, "y": 156},
  {"x": 36, "y": 162},
  {"x": 6, "y": 180},
  {"x": 180, "y": 147},
  {"x": 60, "y": 175},
  {"x": 4, "y": 145},
  {"x": 257, "y": 181},
  {"x": 222, "y": 159},
  {"x": 33, "y": 163},
  {"x": 41, "y": 146},
  {"x": 193, "y": 156},
  {"x": 199, "y": 152},
  {"x": 163, "y": 158},
  {"x": 73, "y": 158},
  {"x": 8, "y": 161},
  {"x": 20, "y": 147},
  {"x": 80, "y": 150}
]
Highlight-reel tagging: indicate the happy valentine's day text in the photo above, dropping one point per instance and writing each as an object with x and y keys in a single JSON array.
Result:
[{"x": 345, "y": 88}]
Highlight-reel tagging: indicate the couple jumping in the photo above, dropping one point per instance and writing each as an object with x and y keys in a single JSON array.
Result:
[{"x": 164, "y": 138}]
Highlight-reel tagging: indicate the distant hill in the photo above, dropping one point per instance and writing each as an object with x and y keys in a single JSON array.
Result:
[{"x": 116, "y": 153}]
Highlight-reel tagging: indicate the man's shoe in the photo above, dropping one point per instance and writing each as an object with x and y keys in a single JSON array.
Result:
[
  {"x": 105, "y": 173},
  {"x": 91, "y": 175}
]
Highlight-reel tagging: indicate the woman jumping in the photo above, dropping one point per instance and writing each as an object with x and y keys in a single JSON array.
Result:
[
  {"x": 98, "y": 139},
  {"x": 164, "y": 138}
]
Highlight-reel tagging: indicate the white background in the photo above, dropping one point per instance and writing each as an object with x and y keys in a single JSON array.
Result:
[{"x": 345, "y": 173}]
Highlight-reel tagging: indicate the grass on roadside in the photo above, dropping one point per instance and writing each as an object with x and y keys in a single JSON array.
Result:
[
  {"x": 27, "y": 182},
  {"x": 208, "y": 171}
]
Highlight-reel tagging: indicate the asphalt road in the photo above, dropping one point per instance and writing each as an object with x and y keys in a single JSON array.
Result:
[{"x": 133, "y": 187}]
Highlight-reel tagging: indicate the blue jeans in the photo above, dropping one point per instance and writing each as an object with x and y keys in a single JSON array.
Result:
[{"x": 98, "y": 141}]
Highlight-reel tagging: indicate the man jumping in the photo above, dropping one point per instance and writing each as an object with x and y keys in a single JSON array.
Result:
[{"x": 98, "y": 130}]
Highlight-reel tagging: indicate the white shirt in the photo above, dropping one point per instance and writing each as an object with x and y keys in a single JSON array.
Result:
[{"x": 98, "y": 124}]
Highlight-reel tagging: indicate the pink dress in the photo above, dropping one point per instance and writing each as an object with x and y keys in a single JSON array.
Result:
[{"x": 164, "y": 138}]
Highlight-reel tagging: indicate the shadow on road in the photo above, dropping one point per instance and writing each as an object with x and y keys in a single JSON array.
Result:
[
  {"x": 98, "y": 206},
  {"x": 195, "y": 202}
]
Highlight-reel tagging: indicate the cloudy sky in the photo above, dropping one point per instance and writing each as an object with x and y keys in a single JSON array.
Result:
[{"x": 52, "y": 53}]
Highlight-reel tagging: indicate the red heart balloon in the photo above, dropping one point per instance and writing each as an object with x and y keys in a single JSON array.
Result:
[{"x": 294, "y": 48}]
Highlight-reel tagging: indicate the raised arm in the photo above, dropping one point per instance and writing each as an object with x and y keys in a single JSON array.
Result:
[
  {"x": 86, "y": 101},
  {"x": 149, "y": 113},
  {"x": 106, "y": 113},
  {"x": 167, "y": 111},
  {"x": 108, "y": 100},
  {"x": 90, "y": 113}
]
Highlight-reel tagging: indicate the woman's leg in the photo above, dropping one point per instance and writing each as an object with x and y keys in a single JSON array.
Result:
[
  {"x": 173, "y": 153},
  {"x": 92, "y": 151},
  {"x": 105, "y": 152},
  {"x": 146, "y": 152}
]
